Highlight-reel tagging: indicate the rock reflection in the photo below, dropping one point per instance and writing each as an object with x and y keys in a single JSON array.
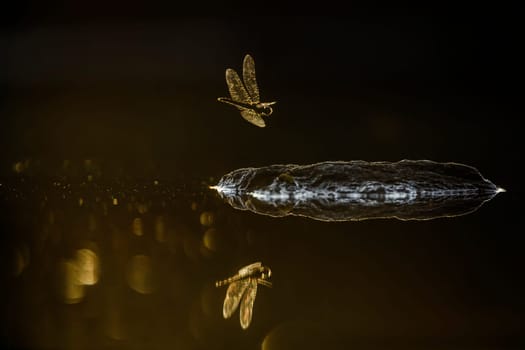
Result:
[{"x": 358, "y": 190}]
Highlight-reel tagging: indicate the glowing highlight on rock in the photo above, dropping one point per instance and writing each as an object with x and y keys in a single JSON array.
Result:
[{"x": 358, "y": 190}]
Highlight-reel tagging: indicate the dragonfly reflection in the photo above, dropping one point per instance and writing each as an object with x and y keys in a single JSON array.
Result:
[
  {"x": 246, "y": 96},
  {"x": 243, "y": 289}
]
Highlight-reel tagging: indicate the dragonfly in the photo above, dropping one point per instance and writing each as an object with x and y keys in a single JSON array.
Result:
[
  {"x": 242, "y": 290},
  {"x": 245, "y": 96}
]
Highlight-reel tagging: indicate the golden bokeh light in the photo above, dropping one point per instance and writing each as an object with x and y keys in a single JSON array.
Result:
[
  {"x": 92, "y": 223},
  {"x": 160, "y": 229},
  {"x": 114, "y": 324},
  {"x": 18, "y": 263},
  {"x": 51, "y": 217},
  {"x": 296, "y": 334},
  {"x": 69, "y": 288},
  {"x": 142, "y": 208},
  {"x": 205, "y": 252},
  {"x": 199, "y": 324},
  {"x": 88, "y": 267},
  {"x": 210, "y": 239},
  {"x": 20, "y": 260},
  {"x": 137, "y": 227},
  {"x": 207, "y": 218},
  {"x": 139, "y": 274},
  {"x": 21, "y": 166},
  {"x": 209, "y": 302},
  {"x": 191, "y": 246},
  {"x": 18, "y": 167}
]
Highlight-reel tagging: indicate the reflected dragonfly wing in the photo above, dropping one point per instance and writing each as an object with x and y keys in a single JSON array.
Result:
[
  {"x": 233, "y": 297},
  {"x": 248, "y": 299},
  {"x": 253, "y": 117},
  {"x": 236, "y": 87},
  {"x": 248, "y": 75}
]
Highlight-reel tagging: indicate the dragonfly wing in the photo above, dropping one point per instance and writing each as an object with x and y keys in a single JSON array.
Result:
[
  {"x": 236, "y": 87},
  {"x": 248, "y": 75},
  {"x": 247, "y": 303},
  {"x": 233, "y": 297},
  {"x": 253, "y": 117}
]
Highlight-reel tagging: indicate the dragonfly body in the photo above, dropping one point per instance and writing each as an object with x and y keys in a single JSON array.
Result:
[
  {"x": 262, "y": 108},
  {"x": 245, "y": 94},
  {"x": 242, "y": 290}
]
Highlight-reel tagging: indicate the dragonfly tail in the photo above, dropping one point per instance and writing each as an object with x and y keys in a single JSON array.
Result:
[
  {"x": 221, "y": 283},
  {"x": 225, "y": 282}
]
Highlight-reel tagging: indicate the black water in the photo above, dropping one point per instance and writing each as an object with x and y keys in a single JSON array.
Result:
[{"x": 111, "y": 135}]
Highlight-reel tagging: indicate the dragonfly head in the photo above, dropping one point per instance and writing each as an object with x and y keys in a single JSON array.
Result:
[
  {"x": 266, "y": 273},
  {"x": 266, "y": 108},
  {"x": 267, "y": 111}
]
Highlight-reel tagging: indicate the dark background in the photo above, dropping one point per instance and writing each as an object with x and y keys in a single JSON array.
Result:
[
  {"x": 139, "y": 83},
  {"x": 135, "y": 88}
]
